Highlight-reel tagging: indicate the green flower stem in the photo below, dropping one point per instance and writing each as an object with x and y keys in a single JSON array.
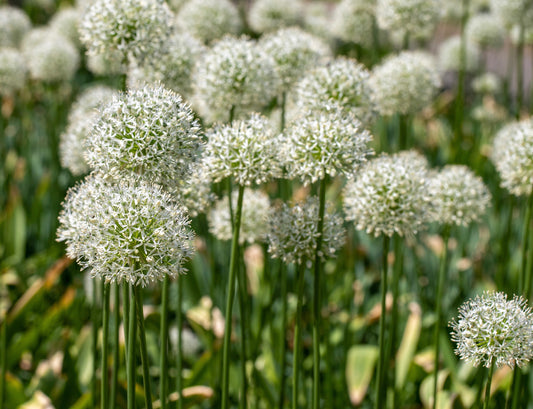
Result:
[
  {"x": 440, "y": 287},
  {"x": 283, "y": 335},
  {"x": 381, "y": 390},
  {"x": 144, "y": 354},
  {"x": 130, "y": 361},
  {"x": 230, "y": 298},
  {"x": 116, "y": 347},
  {"x": 297, "y": 354},
  {"x": 397, "y": 273},
  {"x": 179, "y": 324},
  {"x": 403, "y": 130},
  {"x": 317, "y": 295},
  {"x": 126, "y": 313},
  {"x": 283, "y": 111},
  {"x": 94, "y": 342},
  {"x": 514, "y": 390},
  {"x": 3, "y": 359},
  {"x": 487, "y": 388},
  {"x": 243, "y": 306},
  {"x": 163, "y": 383},
  {"x": 459, "y": 106},
  {"x": 525, "y": 278},
  {"x": 520, "y": 70},
  {"x": 104, "y": 386}
]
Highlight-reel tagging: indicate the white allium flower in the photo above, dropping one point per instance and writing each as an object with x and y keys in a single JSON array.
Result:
[
  {"x": 209, "y": 20},
  {"x": 405, "y": 83},
  {"x": 255, "y": 208},
  {"x": 492, "y": 329},
  {"x": 105, "y": 64},
  {"x": 415, "y": 18},
  {"x": 389, "y": 195},
  {"x": 342, "y": 84},
  {"x": 191, "y": 344},
  {"x": 513, "y": 11},
  {"x": 512, "y": 154},
  {"x": 293, "y": 232},
  {"x": 324, "y": 143},
  {"x": 514, "y": 35},
  {"x": 247, "y": 151},
  {"x": 450, "y": 55},
  {"x": 126, "y": 232},
  {"x": 294, "y": 52},
  {"x": 14, "y": 24},
  {"x": 452, "y": 10},
  {"x": 487, "y": 83},
  {"x": 234, "y": 73},
  {"x": 457, "y": 196},
  {"x": 270, "y": 15},
  {"x": 485, "y": 30},
  {"x": 195, "y": 192},
  {"x": 317, "y": 19},
  {"x": 353, "y": 20},
  {"x": 135, "y": 29},
  {"x": 92, "y": 98},
  {"x": 176, "y": 5},
  {"x": 13, "y": 71},
  {"x": 148, "y": 131},
  {"x": 66, "y": 22}
]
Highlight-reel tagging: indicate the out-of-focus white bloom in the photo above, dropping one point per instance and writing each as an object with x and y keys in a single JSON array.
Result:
[
  {"x": 176, "y": 5},
  {"x": 513, "y": 11},
  {"x": 66, "y": 22},
  {"x": 342, "y": 84},
  {"x": 108, "y": 64},
  {"x": 514, "y": 35},
  {"x": 255, "y": 208},
  {"x": 457, "y": 196},
  {"x": 389, "y": 195},
  {"x": 492, "y": 329},
  {"x": 270, "y": 15},
  {"x": 126, "y": 232},
  {"x": 353, "y": 20},
  {"x": 450, "y": 55},
  {"x": 415, "y": 18},
  {"x": 405, "y": 83},
  {"x": 487, "y": 83},
  {"x": 294, "y": 52},
  {"x": 234, "y": 73},
  {"x": 247, "y": 151},
  {"x": 512, "y": 154},
  {"x": 134, "y": 29},
  {"x": 209, "y": 20},
  {"x": 191, "y": 344},
  {"x": 195, "y": 192},
  {"x": 293, "y": 232},
  {"x": 148, "y": 131},
  {"x": 452, "y": 10},
  {"x": 324, "y": 143},
  {"x": 14, "y": 24},
  {"x": 13, "y": 71},
  {"x": 317, "y": 19},
  {"x": 485, "y": 30}
]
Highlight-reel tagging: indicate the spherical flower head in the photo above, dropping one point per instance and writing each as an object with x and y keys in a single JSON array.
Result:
[
  {"x": 126, "y": 232},
  {"x": 450, "y": 55},
  {"x": 195, "y": 192},
  {"x": 270, "y": 15},
  {"x": 105, "y": 64},
  {"x": 389, "y": 195},
  {"x": 513, "y": 11},
  {"x": 452, "y": 10},
  {"x": 342, "y": 84},
  {"x": 512, "y": 154},
  {"x": 236, "y": 73},
  {"x": 13, "y": 71},
  {"x": 324, "y": 143},
  {"x": 492, "y": 329},
  {"x": 66, "y": 22},
  {"x": 457, "y": 196},
  {"x": 294, "y": 52},
  {"x": 245, "y": 151},
  {"x": 255, "y": 208},
  {"x": 317, "y": 19},
  {"x": 353, "y": 21},
  {"x": 485, "y": 30},
  {"x": 209, "y": 20},
  {"x": 487, "y": 83},
  {"x": 134, "y": 29},
  {"x": 415, "y": 18},
  {"x": 14, "y": 24},
  {"x": 292, "y": 232},
  {"x": 405, "y": 83},
  {"x": 148, "y": 131}
]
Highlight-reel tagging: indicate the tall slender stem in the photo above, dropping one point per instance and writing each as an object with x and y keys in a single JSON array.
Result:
[
  {"x": 487, "y": 388},
  {"x": 514, "y": 388},
  {"x": 3, "y": 363},
  {"x": 104, "y": 386},
  {"x": 241, "y": 278},
  {"x": 397, "y": 273},
  {"x": 380, "y": 393},
  {"x": 296, "y": 357},
  {"x": 144, "y": 352},
  {"x": 520, "y": 70},
  {"x": 459, "y": 106},
  {"x": 163, "y": 384},
  {"x": 116, "y": 346},
  {"x": 229, "y": 300},
  {"x": 283, "y": 335},
  {"x": 94, "y": 339},
  {"x": 525, "y": 280},
  {"x": 179, "y": 324},
  {"x": 317, "y": 304},
  {"x": 403, "y": 129},
  {"x": 130, "y": 347},
  {"x": 283, "y": 109},
  {"x": 440, "y": 287}
]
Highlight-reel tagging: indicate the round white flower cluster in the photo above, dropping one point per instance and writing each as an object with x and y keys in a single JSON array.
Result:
[
  {"x": 14, "y": 24},
  {"x": 513, "y": 11},
  {"x": 415, "y": 18},
  {"x": 492, "y": 329},
  {"x": 389, "y": 195},
  {"x": 125, "y": 232},
  {"x": 450, "y": 55},
  {"x": 353, "y": 20},
  {"x": 405, "y": 83},
  {"x": 13, "y": 71},
  {"x": 66, "y": 22},
  {"x": 487, "y": 83},
  {"x": 270, "y": 15},
  {"x": 457, "y": 196},
  {"x": 293, "y": 232},
  {"x": 195, "y": 192},
  {"x": 485, "y": 30}
]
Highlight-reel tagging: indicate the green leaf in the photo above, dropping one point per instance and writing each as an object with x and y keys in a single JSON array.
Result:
[{"x": 359, "y": 370}]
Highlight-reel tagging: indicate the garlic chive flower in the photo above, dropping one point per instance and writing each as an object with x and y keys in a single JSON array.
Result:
[
  {"x": 270, "y": 15},
  {"x": 485, "y": 30},
  {"x": 353, "y": 21},
  {"x": 457, "y": 196},
  {"x": 13, "y": 71},
  {"x": 405, "y": 83},
  {"x": 255, "y": 207},
  {"x": 492, "y": 329},
  {"x": 148, "y": 131},
  {"x": 292, "y": 233},
  {"x": 324, "y": 143},
  {"x": 209, "y": 20},
  {"x": 415, "y": 18},
  {"x": 389, "y": 195},
  {"x": 14, "y": 24},
  {"x": 126, "y": 232},
  {"x": 247, "y": 151},
  {"x": 512, "y": 154},
  {"x": 450, "y": 55}
]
